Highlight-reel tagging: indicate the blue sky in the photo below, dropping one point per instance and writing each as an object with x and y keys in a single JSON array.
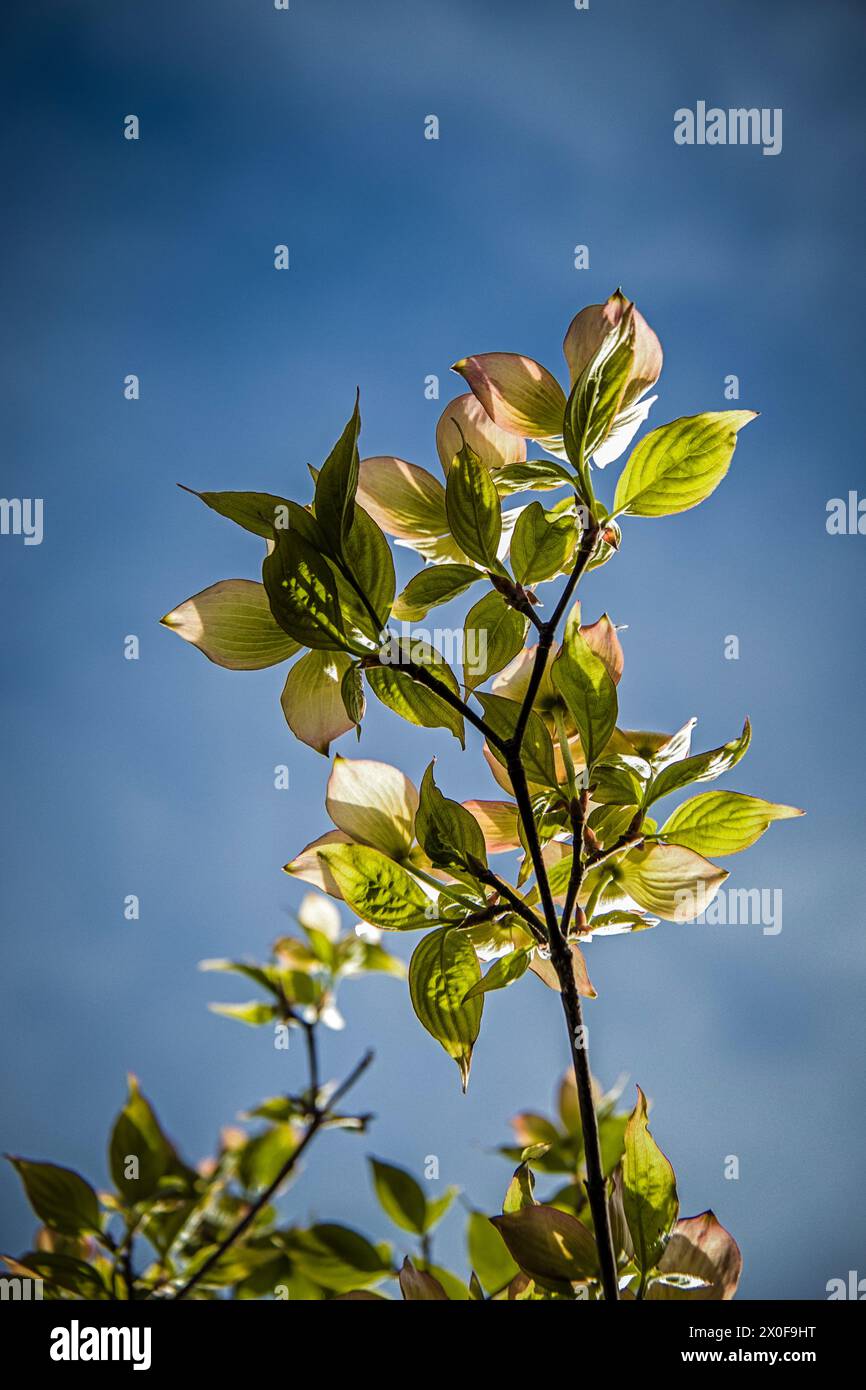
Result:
[{"x": 156, "y": 777}]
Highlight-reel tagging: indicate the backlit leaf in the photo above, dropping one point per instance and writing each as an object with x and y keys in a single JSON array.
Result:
[
  {"x": 649, "y": 1189},
  {"x": 312, "y": 701},
  {"x": 673, "y": 882},
  {"x": 379, "y": 890},
  {"x": 434, "y": 585},
  {"x": 539, "y": 547},
  {"x": 677, "y": 466},
  {"x": 722, "y": 822},
  {"x": 443, "y": 968},
  {"x": 447, "y": 832},
  {"x": 700, "y": 767},
  {"x": 232, "y": 623},
  {"x": 373, "y": 803},
  {"x": 493, "y": 633},
  {"x": 583, "y": 680},
  {"x": 472, "y": 505}
]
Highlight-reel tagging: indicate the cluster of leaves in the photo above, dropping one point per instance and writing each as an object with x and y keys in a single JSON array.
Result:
[
  {"x": 580, "y": 790},
  {"x": 169, "y": 1230},
  {"x": 211, "y": 1227},
  {"x": 576, "y": 810},
  {"x": 407, "y": 858}
]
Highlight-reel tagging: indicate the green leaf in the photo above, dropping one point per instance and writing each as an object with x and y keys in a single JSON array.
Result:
[
  {"x": 540, "y": 548},
  {"x": 379, "y": 890},
  {"x": 535, "y": 475},
  {"x": 337, "y": 1257},
  {"x": 60, "y": 1197},
  {"x": 254, "y": 1013},
  {"x": 336, "y": 486},
  {"x": 619, "y": 780},
  {"x": 583, "y": 680},
  {"x": 400, "y": 1197},
  {"x": 232, "y": 623},
  {"x": 259, "y": 512},
  {"x": 488, "y": 1253},
  {"x": 265, "y": 1155},
  {"x": 472, "y": 505},
  {"x": 434, "y": 585},
  {"x": 536, "y": 751},
  {"x": 312, "y": 699},
  {"x": 597, "y": 395},
  {"x": 649, "y": 1190},
  {"x": 352, "y": 695},
  {"x": 701, "y": 767},
  {"x": 677, "y": 466},
  {"x": 137, "y": 1135},
  {"x": 493, "y": 634},
  {"x": 368, "y": 558},
  {"x": 397, "y": 688},
  {"x": 438, "y": 1206},
  {"x": 442, "y": 969},
  {"x": 503, "y": 972},
  {"x": 303, "y": 594},
  {"x": 674, "y": 882},
  {"x": 521, "y": 1190},
  {"x": 549, "y": 1245},
  {"x": 449, "y": 834},
  {"x": 722, "y": 822},
  {"x": 65, "y": 1272}
]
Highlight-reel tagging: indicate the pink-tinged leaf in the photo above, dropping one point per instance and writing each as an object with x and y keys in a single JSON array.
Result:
[
  {"x": 311, "y": 699},
  {"x": 519, "y": 395},
  {"x": 700, "y": 1246},
  {"x": 500, "y": 776},
  {"x": 373, "y": 803},
  {"x": 308, "y": 867},
  {"x": 601, "y": 638},
  {"x": 231, "y": 622},
  {"x": 511, "y": 683},
  {"x": 405, "y": 500},
  {"x": 498, "y": 821},
  {"x": 543, "y": 967},
  {"x": 418, "y": 1287},
  {"x": 588, "y": 330},
  {"x": 496, "y": 448}
]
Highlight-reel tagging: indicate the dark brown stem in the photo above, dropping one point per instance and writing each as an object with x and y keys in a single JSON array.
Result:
[
  {"x": 596, "y": 1188},
  {"x": 578, "y": 818},
  {"x": 522, "y": 909},
  {"x": 560, "y": 954},
  {"x": 424, "y": 677}
]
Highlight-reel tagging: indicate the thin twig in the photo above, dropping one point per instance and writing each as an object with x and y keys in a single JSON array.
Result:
[
  {"x": 522, "y": 909},
  {"x": 318, "y": 1119}
]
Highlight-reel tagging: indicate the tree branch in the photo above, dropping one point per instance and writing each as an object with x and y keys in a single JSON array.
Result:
[
  {"x": 319, "y": 1116},
  {"x": 522, "y": 909},
  {"x": 560, "y": 954},
  {"x": 425, "y": 678}
]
